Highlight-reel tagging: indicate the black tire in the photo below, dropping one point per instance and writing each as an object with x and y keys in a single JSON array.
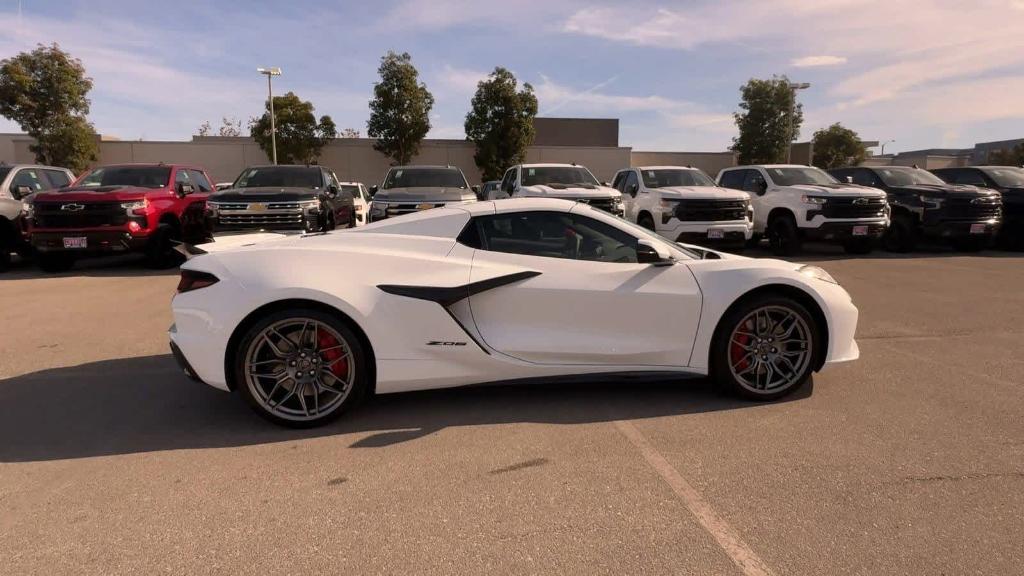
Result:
[
  {"x": 5, "y": 252},
  {"x": 358, "y": 387},
  {"x": 859, "y": 246},
  {"x": 784, "y": 236},
  {"x": 721, "y": 347},
  {"x": 55, "y": 262},
  {"x": 901, "y": 235},
  {"x": 160, "y": 252},
  {"x": 645, "y": 221}
]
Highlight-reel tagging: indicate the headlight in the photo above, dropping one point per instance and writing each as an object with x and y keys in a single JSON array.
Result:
[
  {"x": 815, "y": 200},
  {"x": 378, "y": 208},
  {"x": 817, "y": 274},
  {"x": 931, "y": 201},
  {"x": 668, "y": 205},
  {"x": 308, "y": 204},
  {"x": 133, "y": 205}
]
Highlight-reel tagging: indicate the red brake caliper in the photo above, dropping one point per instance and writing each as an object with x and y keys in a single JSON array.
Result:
[
  {"x": 737, "y": 351},
  {"x": 330, "y": 343}
]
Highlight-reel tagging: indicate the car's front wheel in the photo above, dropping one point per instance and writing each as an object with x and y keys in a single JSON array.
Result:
[
  {"x": 784, "y": 236},
  {"x": 301, "y": 367},
  {"x": 765, "y": 348}
]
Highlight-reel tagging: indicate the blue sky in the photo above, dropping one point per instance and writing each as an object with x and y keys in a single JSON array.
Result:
[{"x": 927, "y": 73}]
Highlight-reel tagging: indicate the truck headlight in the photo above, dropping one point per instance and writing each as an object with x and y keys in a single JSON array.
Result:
[
  {"x": 137, "y": 207},
  {"x": 309, "y": 205},
  {"x": 378, "y": 209},
  {"x": 814, "y": 200},
  {"x": 931, "y": 201}
]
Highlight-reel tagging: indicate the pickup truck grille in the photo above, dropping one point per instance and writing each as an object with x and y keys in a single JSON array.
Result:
[
  {"x": 271, "y": 215},
  {"x": 399, "y": 209},
  {"x": 710, "y": 210},
  {"x": 606, "y": 204},
  {"x": 854, "y": 208},
  {"x": 971, "y": 209},
  {"x": 78, "y": 215}
]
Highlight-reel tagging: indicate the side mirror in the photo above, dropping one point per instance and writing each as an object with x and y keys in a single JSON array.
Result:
[
  {"x": 633, "y": 189},
  {"x": 332, "y": 191},
  {"x": 762, "y": 188},
  {"x": 185, "y": 189},
  {"x": 20, "y": 191},
  {"x": 605, "y": 183},
  {"x": 648, "y": 252}
]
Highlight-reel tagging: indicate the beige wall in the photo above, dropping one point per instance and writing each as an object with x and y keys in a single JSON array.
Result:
[{"x": 709, "y": 162}]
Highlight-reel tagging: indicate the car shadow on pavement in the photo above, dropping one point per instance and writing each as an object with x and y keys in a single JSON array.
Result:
[
  {"x": 146, "y": 404},
  {"x": 108, "y": 266}
]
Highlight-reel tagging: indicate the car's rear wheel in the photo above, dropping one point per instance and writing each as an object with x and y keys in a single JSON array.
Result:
[
  {"x": 765, "y": 348},
  {"x": 646, "y": 221},
  {"x": 55, "y": 261},
  {"x": 784, "y": 236},
  {"x": 301, "y": 367}
]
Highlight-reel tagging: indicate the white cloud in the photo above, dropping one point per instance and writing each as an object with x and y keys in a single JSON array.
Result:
[{"x": 817, "y": 61}]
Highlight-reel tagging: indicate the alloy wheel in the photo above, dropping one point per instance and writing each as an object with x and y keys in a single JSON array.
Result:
[{"x": 769, "y": 349}]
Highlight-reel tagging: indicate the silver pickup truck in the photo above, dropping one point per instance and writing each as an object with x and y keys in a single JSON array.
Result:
[
  {"x": 17, "y": 183},
  {"x": 411, "y": 188}
]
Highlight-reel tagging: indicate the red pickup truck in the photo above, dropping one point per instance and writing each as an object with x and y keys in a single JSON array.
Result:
[{"x": 122, "y": 208}]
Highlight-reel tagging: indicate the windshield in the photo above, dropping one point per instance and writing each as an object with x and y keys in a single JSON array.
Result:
[
  {"x": 425, "y": 178},
  {"x": 353, "y": 190},
  {"x": 280, "y": 177},
  {"x": 1007, "y": 177},
  {"x": 539, "y": 175},
  {"x": 663, "y": 178},
  {"x": 907, "y": 176},
  {"x": 798, "y": 175},
  {"x": 141, "y": 176}
]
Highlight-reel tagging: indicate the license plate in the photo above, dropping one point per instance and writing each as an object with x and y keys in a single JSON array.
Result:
[
  {"x": 977, "y": 228},
  {"x": 257, "y": 207},
  {"x": 715, "y": 234},
  {"x": 860, "y": 230},
  {"x": 424, "y": 206},
  {"x": 76, "y": 242}
]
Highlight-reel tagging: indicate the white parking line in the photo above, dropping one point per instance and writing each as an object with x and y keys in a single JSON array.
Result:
[{"x": 741, "y": 554}]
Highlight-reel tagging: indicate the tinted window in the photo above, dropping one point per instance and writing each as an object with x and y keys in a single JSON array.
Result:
[
  {"x": 533, "y": 176},
  {"x": 57, "y": 178},
  {"x": 554, "y": 235},
  {"x": 661, "y": 178},
  {"x": 1007, "y": 177},
  {"x": 632, "y": 184},
  {"x": 972, "y": 177},
  {"x": 29, "y": 177},
  {"x": 509, "y": 181},
  {"x": 620, "y": 177},
  {"x": 425, "y": 178},
  {"x": 754, "y": 182},
  {"x": 200, "y": 181},
  {"x": 280, "y": 177},
  {"x": 142, "y": 176},
  {"x": 351, "y": 189},
  {"x": 907, "y": 176},
  {"x": 181, "y": 177},
  {"x": 733, "y": 179},
  {"x": 799, "y": 175}
]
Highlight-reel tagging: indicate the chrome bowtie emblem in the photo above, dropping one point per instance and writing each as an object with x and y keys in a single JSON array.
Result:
[
  {"x": 860, "y": 201},
  {"x": 72, "y": 207}
]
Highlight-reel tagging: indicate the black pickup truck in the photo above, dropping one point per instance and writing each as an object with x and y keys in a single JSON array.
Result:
[
  {"x": 1009, "y": 182},
  {"x": 923, "y": 206}
]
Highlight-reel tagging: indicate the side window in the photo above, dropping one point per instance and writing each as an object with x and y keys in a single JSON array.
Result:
[
  {"x": 57, "y": 178},
  {"x": 199, "y": 181},
  {"x": 972, "y": 177},
  {"x": 620, "y": 177},
  {"x": 733, "y": 179},
  {"x": 181, "y": 177},
  {"x": 863, "y": 177},
  {"x": 948, "y": 176},
  {"x": 30, "y": 178},
  {"x": 754, "y": 182},
  {"x": 553, "y": 235},
  {"x": 631, "y": 185},
  {"x": 508, "y": 182},
  {"x": 363, "y": 193}
]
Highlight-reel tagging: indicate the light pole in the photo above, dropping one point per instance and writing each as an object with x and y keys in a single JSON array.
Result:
[
  {"x": 883, "y": 146},
  {"x": 270, "y": 73},
  {"x": 794, "y": 86}
]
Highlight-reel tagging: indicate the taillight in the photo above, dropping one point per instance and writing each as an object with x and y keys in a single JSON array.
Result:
[{"x": 194, "y": 280}]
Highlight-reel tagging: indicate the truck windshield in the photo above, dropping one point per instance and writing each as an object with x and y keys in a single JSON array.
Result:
[
  {"x": 141, "y": 176},
  {"x": 796, "y": 176},
  {"x": 539, "y": 175},
  {"x": 907, "y": 176},
  {"x": 280, "y": 177},
  {"x": 1007, "y": 177},
  {"x": 425, "y": 178},
  {"x": 663, "y": 178}
]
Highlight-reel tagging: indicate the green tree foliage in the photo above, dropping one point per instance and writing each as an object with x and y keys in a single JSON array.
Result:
[
  {"x": 769, "y": 121},
  {"x": 400, "y": 109},
  {"x": 1012, "y": 157},
  {"x": 837, "y": 146},
  {"x": 300, "y": 138},
  {"x": 45, "y": 91},
  {"x": 500, "y": 123}
]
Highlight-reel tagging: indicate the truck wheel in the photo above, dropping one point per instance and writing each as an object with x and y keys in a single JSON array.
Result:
[
  {"x": 55, "y": 261},
  {"x": 783, "y": 236},
  {"x": 859, "y": 246},
  {"x": 900, "y": 237},
  {"x": 646, "y": 222},
  {"x": 160, "y": 252}
]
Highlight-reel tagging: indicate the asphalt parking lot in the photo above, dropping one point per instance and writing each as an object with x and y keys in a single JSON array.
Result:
[{"x": 909, "y": 461}]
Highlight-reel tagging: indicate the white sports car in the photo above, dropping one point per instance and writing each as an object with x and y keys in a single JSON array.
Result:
[{"x": 306, "y": 326}]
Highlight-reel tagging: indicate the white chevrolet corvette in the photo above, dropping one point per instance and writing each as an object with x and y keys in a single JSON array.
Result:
[{"x": 305, "y": 326}]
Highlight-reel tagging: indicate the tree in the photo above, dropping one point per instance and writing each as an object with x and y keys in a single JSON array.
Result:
[
  {"x": 400, "y": 109},
  {"x": 1012, "y": 157},
  {"x": 230, "y": 127},
  {"x": 837, "y": 146},
  {"x": 769, "y": 121},
  {"x": 349, "y": 133},
  {"x": 500, "y": 123},
  {"x": 300, "y": 138},
  {"x": 44, "y": 91}
]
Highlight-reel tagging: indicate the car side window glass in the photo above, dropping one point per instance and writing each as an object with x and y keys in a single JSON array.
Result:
[
  {"x": 754, "y": 181},
  {"x": 57, "y": 178},
  {"x": 29, "y": 177},
  {"x": 733, "y": 179},
  {"x": 862, "y": 177},
  {"x": 181, "y": 177},
  {"x": 620, "y": 177},
  {"x": 631, "y": 185},
  {"x": 972, "y": 177},
  {"x": 199, "y": 181},
  {"x": 555, "y": 235}
]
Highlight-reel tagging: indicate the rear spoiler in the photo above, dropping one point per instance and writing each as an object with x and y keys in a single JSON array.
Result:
[{"x": 189, "y": 251}]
